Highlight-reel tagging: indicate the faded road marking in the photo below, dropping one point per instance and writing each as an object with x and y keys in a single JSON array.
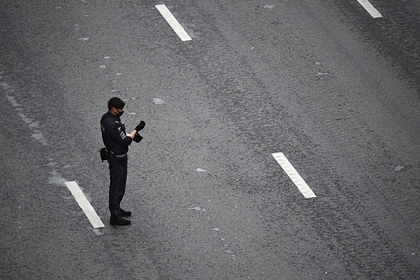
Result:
[
  {"x": 369, "y": 8},
  {"x": 85, "y": 205},
  {"x": 176, "y": 26},
  {"x": 294, "y": 175}
]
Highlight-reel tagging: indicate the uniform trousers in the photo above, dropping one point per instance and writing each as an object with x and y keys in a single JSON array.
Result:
[{"x": 118, "y": 174}]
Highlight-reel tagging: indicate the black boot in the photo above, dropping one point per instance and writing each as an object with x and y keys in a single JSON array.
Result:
[
  {"x": 124, "y": 213},
  {"x": 118, "y": 221}
]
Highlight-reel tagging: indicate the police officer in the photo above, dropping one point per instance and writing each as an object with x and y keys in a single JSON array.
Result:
[{"x": 116, "y": 140}]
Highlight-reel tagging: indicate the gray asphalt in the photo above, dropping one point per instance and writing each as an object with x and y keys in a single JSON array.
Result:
[{"x": 335, "y": 90}]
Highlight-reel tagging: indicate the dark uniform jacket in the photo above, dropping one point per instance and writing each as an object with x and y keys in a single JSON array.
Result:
[{"x": 114, "y": 135}]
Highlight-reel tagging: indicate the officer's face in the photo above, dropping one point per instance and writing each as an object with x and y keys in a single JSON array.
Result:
[{"x": 117, "y": 111}]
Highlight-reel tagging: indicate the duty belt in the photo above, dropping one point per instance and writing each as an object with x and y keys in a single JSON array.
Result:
[{"x": 121, "y": 156}]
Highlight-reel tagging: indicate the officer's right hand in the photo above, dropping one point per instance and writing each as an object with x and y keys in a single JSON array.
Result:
[{"x": 140, "y": 126}]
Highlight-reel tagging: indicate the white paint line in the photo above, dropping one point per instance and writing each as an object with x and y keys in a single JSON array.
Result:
[
  {"x": 167, "y": 15},
  {"x": 369, "y": 8},
  {"x": 294, "y": 175},
  {"x": 85, "y": 205}
]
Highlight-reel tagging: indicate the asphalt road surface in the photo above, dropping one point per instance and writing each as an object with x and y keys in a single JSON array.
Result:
[{"x": 333, "y": 89}]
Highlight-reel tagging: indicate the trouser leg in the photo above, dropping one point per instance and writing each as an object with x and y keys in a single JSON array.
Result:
[{"x": 118, "y": 177}]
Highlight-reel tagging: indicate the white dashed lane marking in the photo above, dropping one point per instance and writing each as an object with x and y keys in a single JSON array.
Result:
[
  {"x": 85, "y": 205},
  {"x": 176, "y": 26},
  {"x": 294, "y": 175},
  {"x": 370, "y": 9}
]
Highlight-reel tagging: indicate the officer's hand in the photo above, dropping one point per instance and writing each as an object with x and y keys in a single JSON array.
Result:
[{"x": 140, "y": 126}]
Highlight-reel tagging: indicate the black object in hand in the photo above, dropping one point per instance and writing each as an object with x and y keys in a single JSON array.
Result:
[
  {"x": 137, "y": 138},
  {"x": 140, "y": 126}
]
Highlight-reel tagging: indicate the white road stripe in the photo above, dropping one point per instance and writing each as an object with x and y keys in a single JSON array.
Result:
[
  {"x": 85, "y": 205},
  {"x": 167, "y": 15},
  {"x": 294, "y": 175},
  {"x": 369, "y": 8}
]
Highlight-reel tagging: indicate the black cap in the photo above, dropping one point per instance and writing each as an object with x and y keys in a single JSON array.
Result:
[{"x": 115, "y": 102}]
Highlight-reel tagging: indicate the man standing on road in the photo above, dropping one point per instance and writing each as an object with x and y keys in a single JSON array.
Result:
[{"x": 116, "y": 141}]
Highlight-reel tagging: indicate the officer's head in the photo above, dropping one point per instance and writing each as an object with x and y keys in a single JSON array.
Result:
[{"x": 116, "y": 106}]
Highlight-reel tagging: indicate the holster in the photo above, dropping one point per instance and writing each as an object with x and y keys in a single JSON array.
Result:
[{"x": 104, "y": 154}]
